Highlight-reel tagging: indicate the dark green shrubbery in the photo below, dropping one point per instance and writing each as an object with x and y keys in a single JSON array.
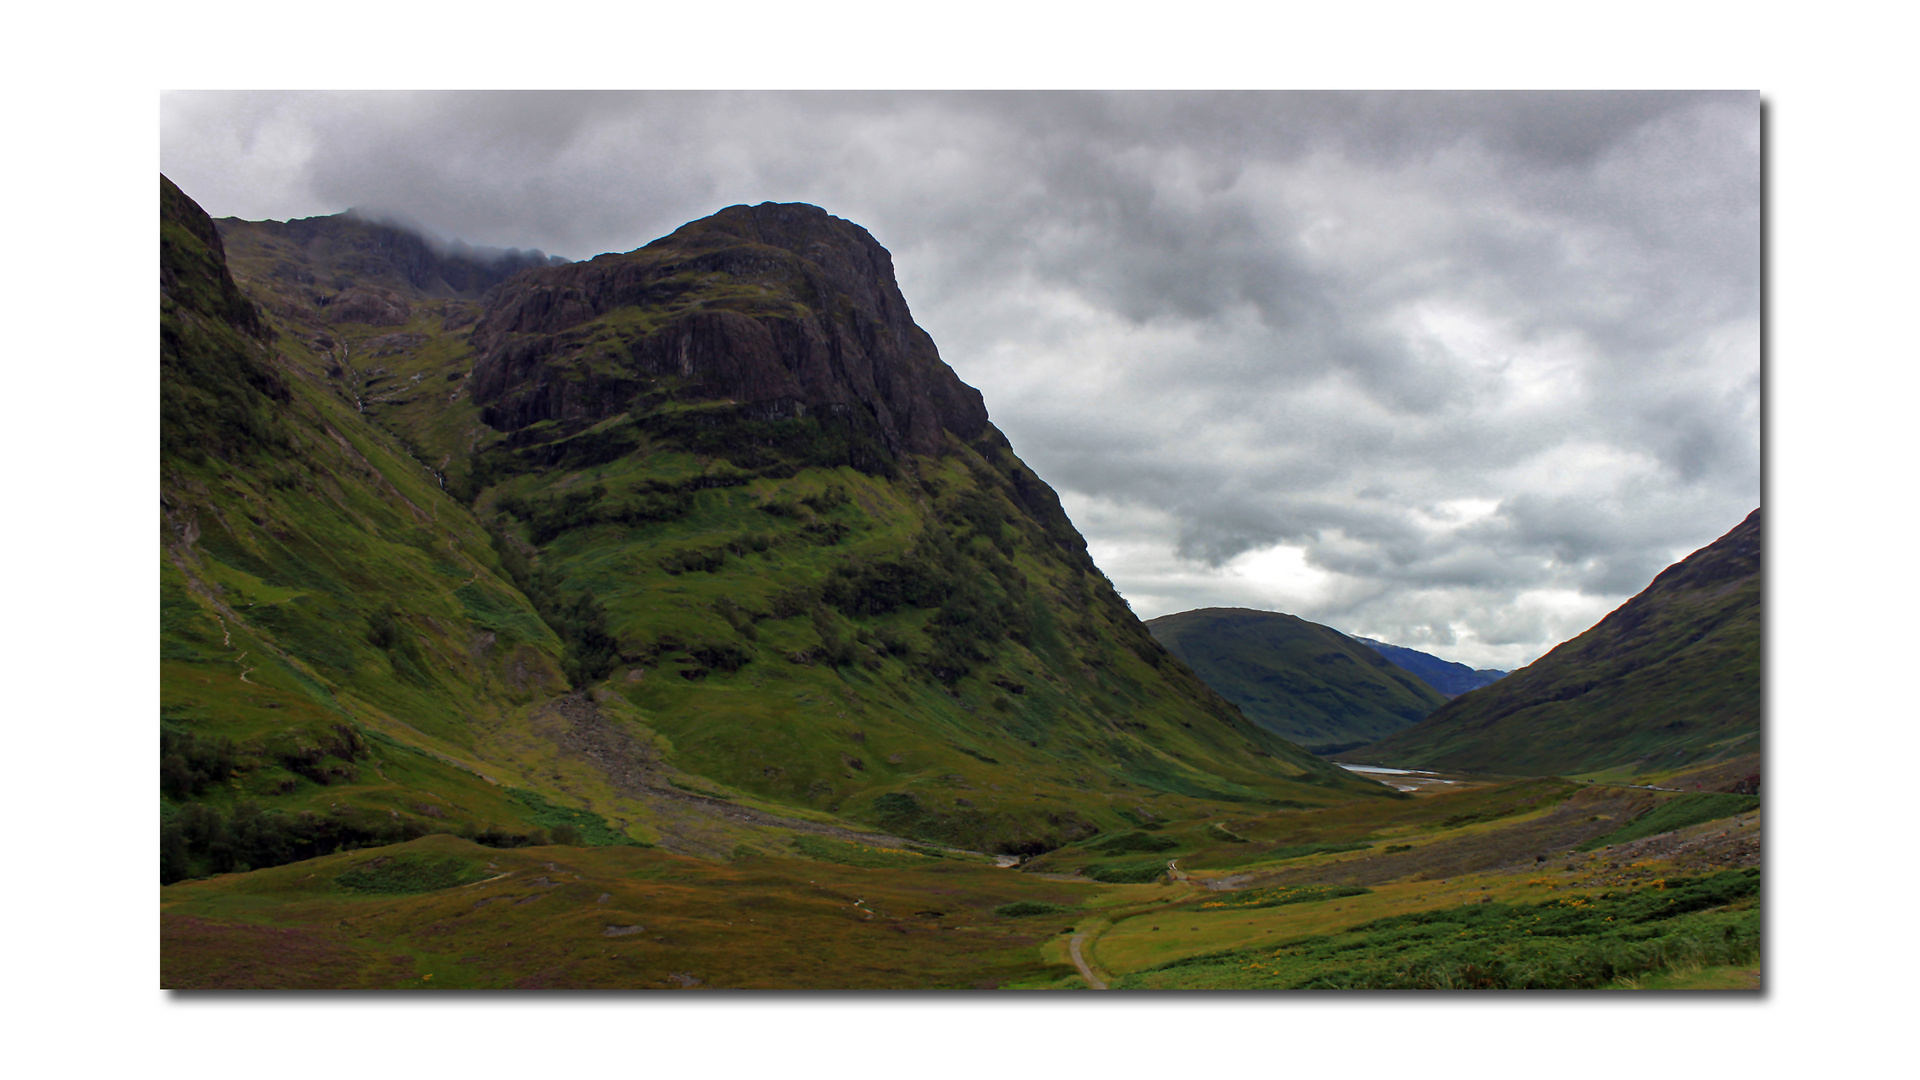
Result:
[
  {"x": 1021, "y": 909},
  {"x": 189, "y": 765},
  {"x": 1139, "y": 872},
  {"x": 197, "y": 839}
]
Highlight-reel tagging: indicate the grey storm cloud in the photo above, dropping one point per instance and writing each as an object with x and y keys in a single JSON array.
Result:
[{"x": 1460, "y": 371}]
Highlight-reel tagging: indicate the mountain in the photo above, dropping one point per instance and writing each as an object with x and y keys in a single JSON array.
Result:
[
  {"x": 1670, "y": 679},
  {"x": 700, "y": 546},
  {"x": 1449, "y": 678},
  {"x": 1307, "y": 683}
]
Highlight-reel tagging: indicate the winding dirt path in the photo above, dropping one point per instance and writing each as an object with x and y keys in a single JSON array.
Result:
[{"x": 1094, "y": 982}]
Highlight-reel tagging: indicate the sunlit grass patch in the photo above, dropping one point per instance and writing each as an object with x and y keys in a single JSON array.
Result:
[{"x": 1573, "y": 942}]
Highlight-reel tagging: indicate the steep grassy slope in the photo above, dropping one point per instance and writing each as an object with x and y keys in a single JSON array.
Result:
[
  {"x": 1308, "y": 683},
  {"x": 1671, "y": 678},
  {"x": 335, "y": 632},
  {"x": 1449, "y": 678},
  {"x": 814, "y": 565},
  {"x": 385, "y": 602}
]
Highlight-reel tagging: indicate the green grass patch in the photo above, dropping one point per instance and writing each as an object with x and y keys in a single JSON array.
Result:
[
  {"x": 1575, "y": 942},
  {"x": 1299, "y": 851},
  {"x": 1677, "y": 813},
  {"x": 570, "y": 826},
  {"x": 1135, "y": 872},
  {"x": 406, "y": 874}
]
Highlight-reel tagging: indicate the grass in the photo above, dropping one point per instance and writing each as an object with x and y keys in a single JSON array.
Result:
[
  {"x": 1140, "y": 871},
  {"x": 846, "y": 853},
  {"x": 589, "y": 827},
  {"x": 1574, "y": 942},
  {"x": 406, "y": 875},
  {"x": 1677, "y": 813},
  {"x": 1266, "y": 898},
  {"x": 541, "y": 921},
  {"x": 1021, "y": 909}
]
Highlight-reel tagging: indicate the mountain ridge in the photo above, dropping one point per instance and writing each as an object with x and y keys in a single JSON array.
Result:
[
  {"x": 1670, "y": 678},
  {"x": 1451, "y": 679}
]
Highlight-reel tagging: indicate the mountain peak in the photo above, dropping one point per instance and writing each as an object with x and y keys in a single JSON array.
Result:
[{"x": 780, "y": 309}]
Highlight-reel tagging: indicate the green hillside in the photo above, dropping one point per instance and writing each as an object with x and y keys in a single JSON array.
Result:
[
  {"x": 1308, "y": 683},
  {"x": 1669, "y": 680},
  {"x": 630, "y": 596}
]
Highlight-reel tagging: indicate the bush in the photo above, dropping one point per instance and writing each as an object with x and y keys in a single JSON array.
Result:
[
  {"x": 189, "y": 766},
  {"x": 1141, "y": 872},
  {"x": 1021, "y": 909}
]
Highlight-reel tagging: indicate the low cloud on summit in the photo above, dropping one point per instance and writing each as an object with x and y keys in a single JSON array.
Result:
[{"x": 1456, "y": 371}]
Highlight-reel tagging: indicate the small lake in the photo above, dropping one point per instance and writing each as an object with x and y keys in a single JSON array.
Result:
[{"x": 1416, "y": 779}]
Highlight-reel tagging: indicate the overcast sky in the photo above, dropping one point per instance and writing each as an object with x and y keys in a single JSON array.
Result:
[{"x": 1458, "y": 371}]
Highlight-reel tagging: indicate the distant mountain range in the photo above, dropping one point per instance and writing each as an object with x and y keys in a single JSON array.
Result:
[
  {"x": 1449, "y": 678},
  {"x": 1670, "y": 679},
  {"x": 1308, "y": 683}
]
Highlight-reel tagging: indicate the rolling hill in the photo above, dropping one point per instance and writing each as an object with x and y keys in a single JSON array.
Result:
[
  {"x": 1670, "y": 679},
  {"x": 1306, "y": 682}
]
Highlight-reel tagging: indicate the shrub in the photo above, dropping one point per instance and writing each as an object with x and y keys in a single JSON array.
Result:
[
  {"x": 1141, "y": 872},
  {"x": 1021, "y": 909}
]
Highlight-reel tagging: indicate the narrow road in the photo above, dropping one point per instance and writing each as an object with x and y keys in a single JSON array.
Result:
[{"x": 1073, "y": 948}]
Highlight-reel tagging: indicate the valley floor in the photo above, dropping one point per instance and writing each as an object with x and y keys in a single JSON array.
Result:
[{"x": 1480, "y": 885}]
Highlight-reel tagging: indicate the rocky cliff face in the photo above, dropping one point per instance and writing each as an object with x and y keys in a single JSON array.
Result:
[{"x": 782, "y": 309}]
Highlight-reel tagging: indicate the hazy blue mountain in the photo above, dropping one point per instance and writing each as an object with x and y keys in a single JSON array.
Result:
[{"x": 1445, "y": 676}]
